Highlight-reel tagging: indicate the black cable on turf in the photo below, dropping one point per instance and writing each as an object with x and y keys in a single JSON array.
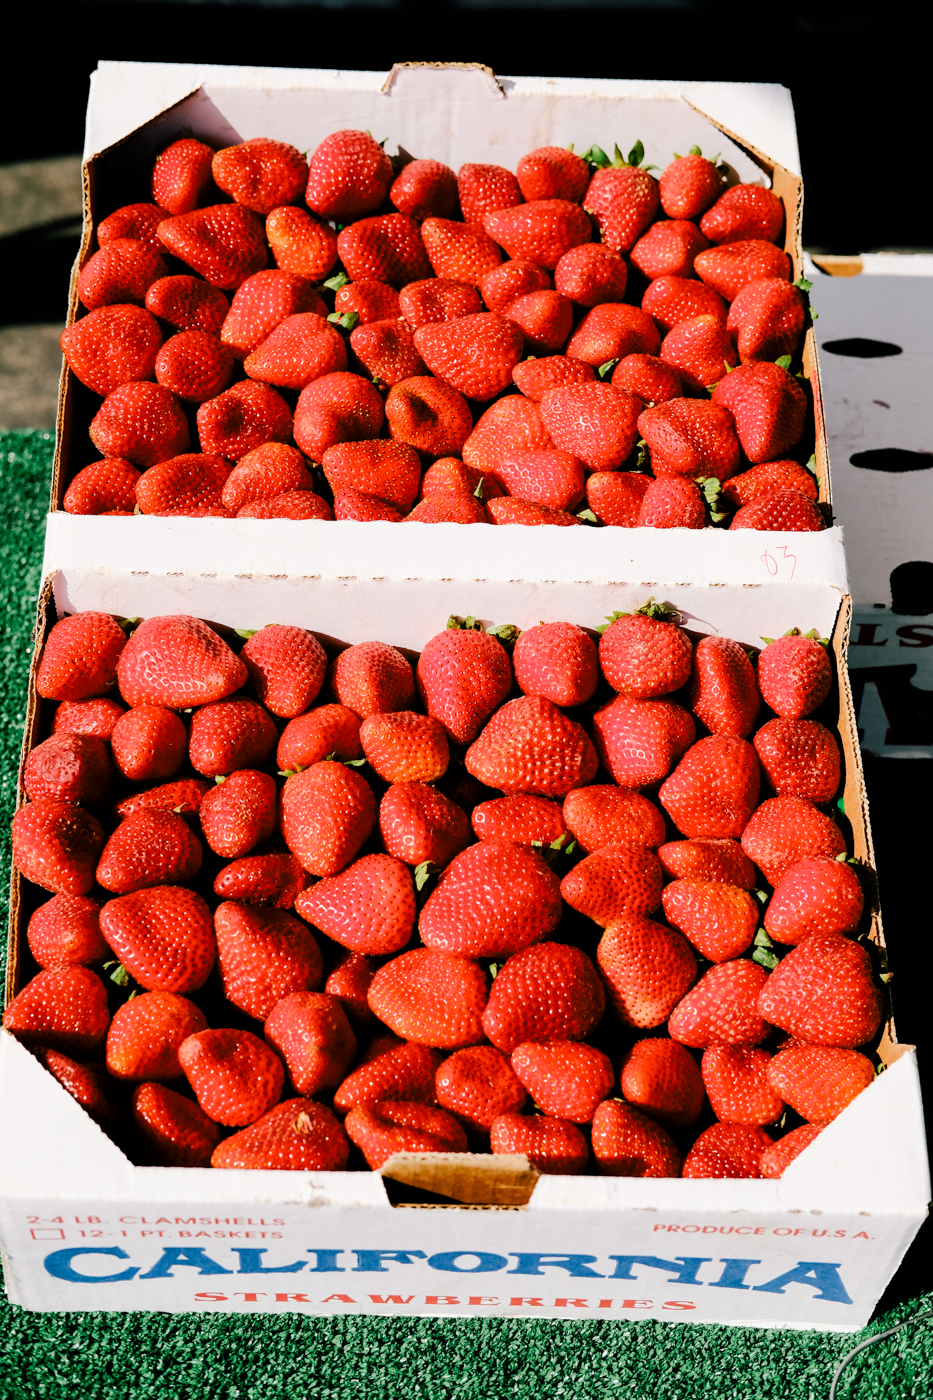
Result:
[{"x": 879, "y": 1337}]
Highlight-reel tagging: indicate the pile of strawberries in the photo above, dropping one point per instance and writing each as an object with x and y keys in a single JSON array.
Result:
[
  {"x": 480, "y": 347},
  {"x": 571, "y": 895}
]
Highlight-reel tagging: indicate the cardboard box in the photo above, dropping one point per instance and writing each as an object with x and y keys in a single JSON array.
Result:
[{"x": 84, "y": 1229}]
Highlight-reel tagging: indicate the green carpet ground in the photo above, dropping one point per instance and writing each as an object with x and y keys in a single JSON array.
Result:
[{"x": 63, "y": 1356}]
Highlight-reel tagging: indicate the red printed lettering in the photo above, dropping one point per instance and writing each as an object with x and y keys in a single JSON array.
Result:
[{"x": 571, "y": 1303}]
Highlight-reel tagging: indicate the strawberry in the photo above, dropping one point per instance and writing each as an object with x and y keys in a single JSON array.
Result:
[
  {"x": 183, "y": 795},
  {"x": 768, "y": 406},
  {"x": 612, "y": 330},
  {"x": 239, "y": 813},
  {"x": 431, "y": 997},
  {"x": 243, "y": 417},
  {"x": 181, "y": 175},
  {"x": 66, "y": 930},
  {"x": 270, "y": 879},
  {"x": 779, "y": 510},
  {"x": 266, "y": 472},
  {"x": 476, "y": 354},
  {"x": 647, "y": 969},
  {"x": 371, "y": 678},
  {"x": 286, "y": 666},
  {"x": 478, "y": 1084},
  {"x": 615, "y": 880},
  {"x": 736, "y": 1078},
  {"x": 622, "y": 202},
  {"x": 819, "y": 1081},
  {"x": 388, "y": 248},
  {"x": 263, "y": 955},
  {"x": 640, "y": 740},
  {"x": 776, "y": 1159},
  {"x": 300, "y": 243},
  {"x": 111, "y": 346},
  {"x": 404, "y": 746},
  {"x": 300, "y": 349},
  {"x": 785, "y": 830},
  {"x": 261, "y": 174},
  {"x": 425, "y": 188},
  {"x": 451, "y": 508},
  {"x": 119, "y": 272},
  {"x": 615, "y": 497},
  {"x": 107, "y": 487},
  {"x": 594, "y": 422},
  {"x": 590, "y": 274},
  {"x": 313, "y": 1036},
  {"x": 235, "y": 1077},
  {"x": 149, "y": 848},
  {"x": 483, "y": 188},
  {"x": 535, "y": 377},
  {"x": 175, "y": 1131},
  {"x": 460, "y": 252},
  {"x": 541, "y": 231},
  {"x": 94, "y": 717},
  {"x": 701, "y": 351},
  {"x": 382, "y": 1129},
  {"x": 668, "y": 249},
  {"x": 262, "y": 303},
  {"x": 336, "y": 408},
  {"x": 552, "y": 1145},
  {"x": 645, "y": 654},
  {"x": 368, "y": 299},
  {"x": 723, "y": 691},
  {"x": 605, "y": 815},
  {"x": 325, "y": 730},
  {"x": 628, "y": 1143},
  {"x": 194, "y": 365},
  {"x": 551, "y": 172},
  {"x": 190, "y": 484},
  {"x": 722, "y": 1009},
  {"x": 63, "y": 1008},
  {"x": 298, "y": 1135},
  {"x": 224, "y": 243},
  {"x": 141, "y": 422},
  {"x": 506, "y": 282},
  {"x": 531, "y": 746},
  {"x": 550, "y": 991},
  {"x": 510, "y": 510},
  {"x": 349, "y": 174},
  {"x": 230, "y": 734},
  {"x": 419, "y": 824},
  {"x": 68, "y": 768},
  {"x": 728, "y": 269},
  {"x": 713, "y": 791},
  {"x": 662, "y": 1079},
  {"x": 386, "y": 350},
  {"x": 688, "y": 186},
  {"x": 149, "y": 743},
  {"x": 437, "y": 299},
  {"x": 794, "y": 675},
  {"x": 356, "y": 505},
  {"x": 187, "y": 304},
  {"x": 557, "y": 661},
  {"x": 719, "y": 919},
  {"x": 767, "y": 319},
  {"x": 814, "y": 896},
  {"x": 823, "y": 992},
  {"x": 463, "y": 677},
  {"x": 522, "y": 819},
  {"x": 368, "y": 908},
  {"x": 493, "y": 899},
  {"x": 145, "y": 1033},
  {"x": 727, "y": 1150},
  {"x": 718, "y": 860},
  {"x": 565, "y": 1079},
  {"x": 669, "y": 301},
  {"x": 328, "y": 812},
  {"x": 164, "y": 937},
  {"x": 743, "y": 212},
  {"x": 402, "y": 1071},
  {"x": 86, "y": 1084},
  {"x": 349, "y": 981},
  {"x": 428, "y": 415},
  {"x": 648, "y": 377},
  {"x": 545, "y": 318},
  {"x": 766, "y": 477},
  {"x": 512, "y": 424},
  {"x": 57, "y": 846},
  {"x": 800, "y": 758}
]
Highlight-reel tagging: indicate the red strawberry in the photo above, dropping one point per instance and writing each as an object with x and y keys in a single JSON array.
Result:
[
  {"x": 648, "y": 378},
  {"x": 628, "y": 1143},
  {"x": 727, "y": 1150},
  {"x": 103, "y": 488},
  {"x": 615, "y": 497},
  {"x": 512, "y": 424},
  {"x": 66, "y": 930},
  {"x": 298, "y": 1135},
  {"x": 145, "y": 1033},
  {"x": 181, "y": 175},
  {"x": 264, "y": 955},
  {"x": 645, "y": 654},
  {"x": 266, "y": 472},
  {"x": 164, "y": 937},
  {"x": 423, "y": 188},
  {"x": 722, "y": 1009},
  {"x": 149, "y": 743},
  {"x": 141, "y": 422},
  {"x": 819, "y": 1081},
  {"x": 187, "y": 304},
  {"x": 449, "y": 507},
  {"x": 431, "y": 997},
  {"x": 403, "y": 1071},
  {"x": 68, "y": 768},
  {"x": 388, "y": 248},
  {"x": 328, "y": 812},
  {"x": 671, "y": 300},
  {"x": 565, "y": 1079},
  {"x": 437, "y": 299},
  {"x": 460, "y": 252},
  {"x": 350, "y": 981},
  {"x": 328, "y": 729},
  {"x": 300, "y": 349},
  {"x": 94, "y": 717},
  {"x": 535, "y": 377},
  {"x": 545, "y": 319},
  {"x": 800, "y": 758},
  {"x": 766, "y": 477},
  {"x": 719, "y": 919},
  {"x": 510, "y": 510},
  {"x": 194, "y": 365},
  {"x": 728, "y": 269},
  {"x": 368, "y": 299},
  {"x": 551, "y": 991},
  {"x": 271, "y": 879},
  {"x": 785, "y": 830},
  {"x": 531, "y": 746},
  {"x": 336, "y": 408},
  {"x": 86, "y": 1084},
  {"x": 736, "y": 1080},
  {"x": 230, "y": 734},
  {"x": 594, "y": 422},
  {"x": 419, "y": 824},
  {"x": 183, "y": 795},
  {"x": 290, "y": 505},
  {"x": 404, "y": 746},
  {"x": 521, "y": 819},
  {"x": 768, "y": 406},
  {"x": 372, "y": 678},
  {"x": 713, "y": 791},
  {"x": 612, "y": 330},
  {"x": 235, "y": 1077},
  {"x": 239, "y": 813},
  {"x": 57, "y": 846},
  {"x": 688, "y": 186},
  {"x": 622, "y": 202},
  {"x": 176, "y": 1132},
  {"x": 493, "y": 899},
  {"x": 720, "y": 860},
  {"x": 300, "y": 243},
  {"x": 287, "y": 666},
  {"x": 815, "y": 896},
  {"x": 779, "y": 510},
  {"x": 776, "y": 1159},
  {"x": 541, "y": 231},
  {"x": 640, "y": 740},
  {"x": 191, "y": 484},
  {"x": 477, "y": 1085},
  {"x": 382, "y": 1129},
  {"x": 590, "y": 274},
  {"x": 557, "y": 661},
  {"x": 700, "y": 350},
  {"x": 744, "y": 211},
  {"x": 386, "y": 350},
  {"x": 430, "y": 416},
  {"x": 243, "y": 417},
  {"x": 263, "y": 302},
  {"x": 483, "y": 188},
  {"x": 615, "y": 880},
  {"x": 368, "y": 908},
  {"x": 349, "y": 174},
  {"x": 225, "y": 243},
  {"x": 149, "y": 848},
  {"x": 551, "y": 172},
  {"x": 313, "y": 1036},
  {"x": 261, "y": 174},
  {"x": 111, "y": 346},
  {"x": 506, "y": 282},
  {"x": 794, "y": 675},
  {"x": 552, "y": 1145},
  {"x": 121, "y": 271},
  {"x": 605, "y": 815},
  {"x": 823, "y": 992},
  {"x": 662, "y": 1079},
  {"x": 463, "y": 677},
  {"x": 64, "y": 1008},
  {"x": 723, "y": 691},
  {"x": 767, "y": 319},
  {"x": 668, "y": 249},
  {"x": 476, "y": 354},
  {"x": 646, "y": 968}
]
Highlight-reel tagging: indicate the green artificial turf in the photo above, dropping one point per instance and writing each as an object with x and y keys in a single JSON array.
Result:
[{"x": 154, "y": 1356}]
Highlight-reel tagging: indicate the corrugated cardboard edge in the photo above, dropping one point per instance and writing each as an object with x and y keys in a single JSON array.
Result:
[{"x": 467, "y": 67}]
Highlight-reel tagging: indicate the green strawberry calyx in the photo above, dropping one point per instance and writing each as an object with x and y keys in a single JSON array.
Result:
[
  {"x": 658, "y": 612},
  {"x": 597, "y": 156},
  {"x": 606, "y": 369},
  {"x": 128, "y": 625},
  {"x": 347, "y": 320},
  {"x": 711, "y": 491},
  {"x": 333, "y": 284},
  {"x": 119, "y": 975},
  {"x": 764, "y": 954},
  {"x": 504, "y": 632}
]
